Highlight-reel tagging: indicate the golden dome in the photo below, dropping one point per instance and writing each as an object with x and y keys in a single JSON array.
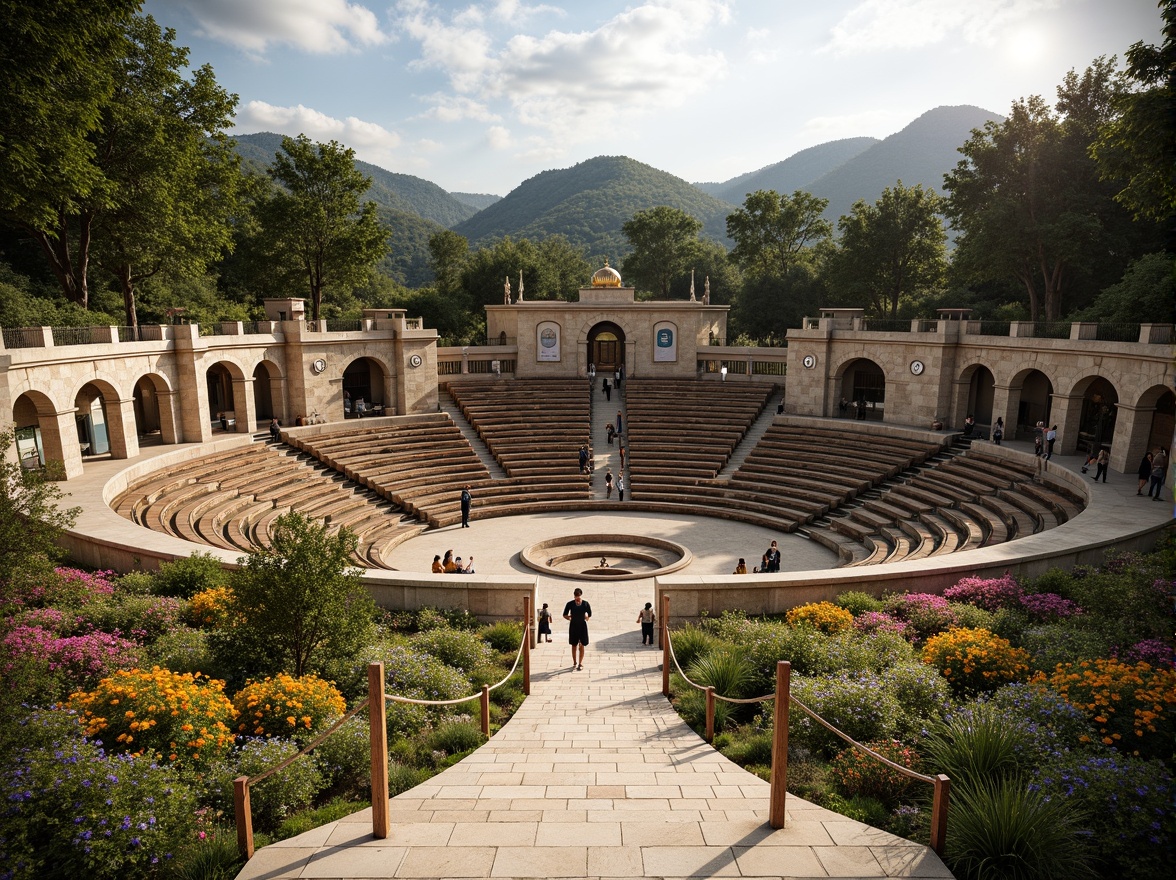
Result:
[{"x": 606, "y": 277}]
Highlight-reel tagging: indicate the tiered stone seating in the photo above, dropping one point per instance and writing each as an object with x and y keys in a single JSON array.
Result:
[
  {"x": 231, "y": 499},
  {"x": 957, "y": 503}
]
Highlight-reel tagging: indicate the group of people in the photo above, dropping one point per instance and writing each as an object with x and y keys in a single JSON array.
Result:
[
  {"x": 769, "y": 562},
  {"x": 611, "y": 482},
  {"x": 1044, "y": 440},
  {"x": 578, "y": 612},
  {"x": 1153, "y": 470},
  {"x": 452, "y": 564}
]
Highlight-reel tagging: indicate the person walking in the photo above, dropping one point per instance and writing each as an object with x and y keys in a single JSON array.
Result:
[
  {"x": 608, "y": 483},
  {"x": 646, "y": 617},
  {"x": 1158, "y": 474},
  {"x": 607, "y": 389},
  {"x": 1100, "y": 465},
  {"x": 578, "y": 613},
  {"x": 621, "y": 486},
  {"x": 544, "y": 624},
  {"x": 1144, "y": 472},
  {"x": 617, "y": 379},
  {"x": 466, "y": 500},
  {"x": 1051, "y": 437},
  {"x": 622, "y": 451},
  {"x": 620, "y": 429},
  {"x": 998, "y": 431},
  {"x": 610, "y": 432},
  {"x": 583, "y": 459}
]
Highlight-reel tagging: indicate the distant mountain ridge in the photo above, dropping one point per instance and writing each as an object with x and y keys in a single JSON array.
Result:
[
  {"x": 589, "y": 202},
  {"x": 795, "y": 172}
]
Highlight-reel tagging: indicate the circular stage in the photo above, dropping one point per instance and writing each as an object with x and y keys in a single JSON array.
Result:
[{"x": 605, "y": 557}]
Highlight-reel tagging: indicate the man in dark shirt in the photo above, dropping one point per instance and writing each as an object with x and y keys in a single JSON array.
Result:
[
  {"x": 466, "y": 500},
  {"x": 579, "y": 613}
]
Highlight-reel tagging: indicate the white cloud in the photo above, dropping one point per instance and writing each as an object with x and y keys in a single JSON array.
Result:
[
  {"x": 454, "y": 108},
  {"x": 498, "y": 137},
  {"x": 877, "y": 123},
  {"x": 760, "y": 47},
  {"x": 366, "y": 138},
  {"x": 876, "y": 25},
  {"x": 514, "y": 10},
  {"x": 648, "y": 57},
  {"x": 320, "y": 26}
]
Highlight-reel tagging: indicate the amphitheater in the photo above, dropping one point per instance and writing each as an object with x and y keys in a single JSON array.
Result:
[{"x": 845, "y": 446}]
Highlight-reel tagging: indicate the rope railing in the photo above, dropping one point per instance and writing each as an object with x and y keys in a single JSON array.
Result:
[
  {"x": 783, "y": 699},
  {"x": 377, "y": 701}
]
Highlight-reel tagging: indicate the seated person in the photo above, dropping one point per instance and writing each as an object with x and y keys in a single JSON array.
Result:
[
  {"x": 969, "y": 425},
  {"x": 360, "y": 408},
  {"x": 438, "y": 568},
  {"x": 448, "y": 564}
]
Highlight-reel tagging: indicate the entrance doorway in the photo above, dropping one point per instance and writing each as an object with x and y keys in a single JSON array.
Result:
[{"x": 606, "y": 347}]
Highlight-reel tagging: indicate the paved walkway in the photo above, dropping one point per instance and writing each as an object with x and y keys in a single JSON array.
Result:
[{"x": 595, "y": 776}]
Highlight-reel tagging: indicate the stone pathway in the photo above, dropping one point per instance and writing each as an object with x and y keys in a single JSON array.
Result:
[{"x": 595, "y": 776}]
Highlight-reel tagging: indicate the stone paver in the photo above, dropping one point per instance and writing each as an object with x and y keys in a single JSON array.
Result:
[{"x": 595, "y": 776}]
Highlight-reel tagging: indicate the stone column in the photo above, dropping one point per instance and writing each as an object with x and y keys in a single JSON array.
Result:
[
  {"x": 1006, "y": 400},
  {"x": 167, "y": 401},
  {"x": 1132, "y": 431},
  {"x": 120, "y": 428},
  {"x": 244, "y": 406},
  {"x": 191, "y": 385},
  {"x": 1066, "y": 413},
  {"x": 59, "y": 439}
]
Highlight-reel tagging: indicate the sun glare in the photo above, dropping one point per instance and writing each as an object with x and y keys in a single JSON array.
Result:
[{"x": 1026, "y": 45}]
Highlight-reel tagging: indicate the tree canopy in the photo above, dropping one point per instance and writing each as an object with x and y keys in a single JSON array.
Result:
[
  {"x": 664, "y": 242},
  {"x": 773, "y": 233}
]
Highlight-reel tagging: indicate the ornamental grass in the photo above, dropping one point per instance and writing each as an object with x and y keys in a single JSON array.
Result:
[
  {"x": 824, "y": 616},
  {"x": 1132, "y": 705},
  {"x": 975, "y": 660},
  {"x": 286, "y": 706},
  {"x": 183, "y": 717}
]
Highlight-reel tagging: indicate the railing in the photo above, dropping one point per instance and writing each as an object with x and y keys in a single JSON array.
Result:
[
  {"x": 23, "y": 337},
  {"x": 1117, "y": 332},
  {"x": 377, "y": 701},
  {"x": 887, "y": 325},
  {"x": 1051, "y": 329},
  {"x": 79, "y": 335},
  {"x": 783, "y": 699},
  {"x": 344, "y": 325},
  {"x": 993, "y": 328}
]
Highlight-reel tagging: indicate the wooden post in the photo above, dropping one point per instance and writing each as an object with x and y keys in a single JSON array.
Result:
[
  {"x": 939, "y": 813},
  {"x": 486, "y": 710},
  {"x": 378, "y": 738},
  {"x": 665, "y": 630},
  {"x": 244, "y": 816},
  {"x": 780, "y": 745},
  {"x": 710, "y": 714},
  {"x": 528, "y": 631}
]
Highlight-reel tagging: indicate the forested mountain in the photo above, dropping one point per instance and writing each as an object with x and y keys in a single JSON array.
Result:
[
  {"x": 589, "y": 202},
  {"x": 922, "y": 152},
  {"x": 477, "y": 201},
  {"x": 395, "y": 192},
  {"x": 795, "y": 172}
]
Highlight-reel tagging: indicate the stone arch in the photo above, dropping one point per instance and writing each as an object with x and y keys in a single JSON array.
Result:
[
  {"x": 1030, "y": 400},
  {"x": 105, "y": 421},
  {"x": 976, "y": 395},
  {"x": 861, "y": 383},
  {"x": 37, "y": 430},
  {"x": 1095, "y": 401},
  {"x": 1142, "y": 425},
  {"x": 269, "y": 391},
  {"x": 366, "y": 379},
  {"x": 153, "y": 401},
  {"x": 606, "y": 346},
  {"x": 230, "y": 403}
]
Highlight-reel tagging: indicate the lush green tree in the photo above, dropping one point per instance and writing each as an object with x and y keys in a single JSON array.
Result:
[
  {"x": 1145, "y": 293},
  {"x": 710, "y": 262},
  {"x": 768, "y": 305},
  {"x": 448, "y": 253},
  {"x": 551, "y": 269},
  {"x": 891, "y": 250},
  {"x": 299, "y": 604},
  {"x": 1028, "y": 203},
  {"x": 170, "y": 172},
  {"x": 665, "y": 242},
  {"x": 30, "y": 519},
  {"x": 59, "y": 59},
  {"x": 313, "y": 228},
  {"x": 1137, "y": 148},
  {"x": 773, "y": 233}
]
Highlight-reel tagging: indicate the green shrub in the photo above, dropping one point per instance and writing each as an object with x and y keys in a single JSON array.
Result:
[
  {"x": 504, "y": 636},
  {"x": 183, "y": 650},
  {"x": 143, "y": 618},
  {"x": 728, "y": 672},
  {"x": 972, "y": 617},
  {"x": 445, "y": 618},
  {"x": 690, "y": 643},
  {"x": 1064, "y": 642},
  {"x": 1055, "y": 725},
  {"x": 768, "y": 643},
  {"x": 856, "y": 602},
  {"x": 861, "y": 706},
  {"x": 691, "y": 705},
  {"x": 876, "y": 652},
  {"x": 213, "y": 857},
  {"x": 401, "y": 778},
  {"x": 454, "y": 737},
  {"x": 746, "y": 746},
  {"x": 859, "y": 808},
  {"x": 460, "y": 649},
  {"x": 1000, "y": 829},
  {"x": 922, "y": 694},
  {"x": 273, "y": 799},
  {"x": 978, "y": 742},
  {"x": 135, "y": 583},
  {"x": 345, "y": 757},
  {"x": 186, "y": 577}
]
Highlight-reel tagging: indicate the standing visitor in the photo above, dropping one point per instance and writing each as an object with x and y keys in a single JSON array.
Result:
[
  {"x": 646, "y": 617},
  {"x": 998, "y": 431},
  {"x": 1159, "y": 472},
  {"x": 1100, "y": 465},
  {"x": 607, "y": 389},
  {"x": 466, "y": 500},
  {"x": 544, "y": 623},
  {"x": 608, "y": 483},
  {"x": 578, "y": 613},
  {"x": 1144, "y": 472},
  {"x": 620, "y": 427},
  {"x": 1051, "y": 437},
  {"x": 621, "y": 486}
]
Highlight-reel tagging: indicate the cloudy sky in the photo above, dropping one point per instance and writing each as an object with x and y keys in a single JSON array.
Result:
[{"x": 480, "y": 96}]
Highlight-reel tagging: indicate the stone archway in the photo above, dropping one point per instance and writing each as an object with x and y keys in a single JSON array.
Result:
[
  {"x": 1034, "y": 401},
  {"x": 155, "y": 418},
  {"x": 364, "y": 381},
  {"x": 863, "y": 390},
  {"x": 1096, "y": 421},
  {"x": 230, "y": 399},
  {"x": 269, "y": 392},
  {"x": 606, "y": 347},
  {"x": 105, "y": 422},
  {"x": 981, "y": 390}
]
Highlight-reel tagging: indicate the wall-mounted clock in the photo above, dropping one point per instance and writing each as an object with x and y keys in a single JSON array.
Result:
[
  {"x": 415, "y": 361},
  {"x": 917, "y": 367},
  {"x": 809, "y": 361},
  {"x": 319, "y": 365}
]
